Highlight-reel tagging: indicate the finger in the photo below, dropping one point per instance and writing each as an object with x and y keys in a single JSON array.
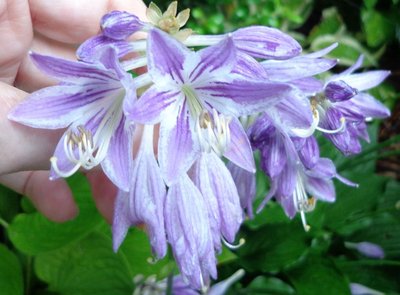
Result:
[
  {"x": 52, "y": 198},
  {"x": 22, "y": 148},
  {"x": 29, "y": 77},
  {"x": 73, "y": 21},
  {"x": 15, "y": 36},
  {"x": 104, "y": 193}
]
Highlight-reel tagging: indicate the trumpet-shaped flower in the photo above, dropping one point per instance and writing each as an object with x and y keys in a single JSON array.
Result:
[
  {"x": 88, "y": 102},
  {"x": 189, "y": 89}
]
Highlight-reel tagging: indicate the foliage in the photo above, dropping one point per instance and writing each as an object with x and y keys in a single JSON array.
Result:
[{"x": 41, "y": 257}]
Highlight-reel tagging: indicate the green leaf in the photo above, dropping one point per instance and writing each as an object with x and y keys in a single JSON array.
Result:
[
  {"x": 272, "y": 286},
  {"x": 318, "y": 276},
  {"x": 377, "y": 28},
  {"x": 273, "y": 247},
  {"x": 88, "y": 266},
  {"x": 353, "y": 206},
  {"x": 11, "y": 282},
  {"x": 33, "y": 233}
]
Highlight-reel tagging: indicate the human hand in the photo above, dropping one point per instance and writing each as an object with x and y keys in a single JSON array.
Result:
[{"x": 52, "y": 28}]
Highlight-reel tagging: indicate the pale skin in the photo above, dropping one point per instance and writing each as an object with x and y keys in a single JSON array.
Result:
[{"x": 53, "y": 28}]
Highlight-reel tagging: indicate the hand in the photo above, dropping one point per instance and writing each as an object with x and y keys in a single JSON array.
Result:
[{"x": 53, "y": 28}]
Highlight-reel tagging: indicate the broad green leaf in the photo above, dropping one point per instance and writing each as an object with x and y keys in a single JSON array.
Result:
[
  {"x": 88, "y": 266},
  {"x": 353, "y": 206},
  {"x": 272, "y": 286},
  {"x": 33, "y": 233},
  {"x": 378, "y": 29},
  {"x": 273, "y": 247},
  {"x": 11, "y": 281},
  {"x": 318, "y": 276}
]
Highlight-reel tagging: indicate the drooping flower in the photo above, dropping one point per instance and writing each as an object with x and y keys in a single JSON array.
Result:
[
  {"x": 190, "y": 87},
  {"x": 88, "y": 101},
  {"x": 367, "y": 249},
  {"x": 144, "y": 203},
  {"x": 342, "y": 108}
]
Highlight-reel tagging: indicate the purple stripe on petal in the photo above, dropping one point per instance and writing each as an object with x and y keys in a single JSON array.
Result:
[
  {"x": 176, "y": 147},
  {"x": 220, "y": 57},
  {"x": 71, "y": 71},
  {"x": 309, "y": 86},
  {"x": 286, "y": 182},
  {"x": 239, "y": 150},
  {"x": 265, "y": 42},
  {"x": 57, "y": 106},
  {"x": 251, "y": 96},
  {"x": 166, "y": 55},
  {"x": 149, "y": 108},
  {"x": 249, "y": 67}
]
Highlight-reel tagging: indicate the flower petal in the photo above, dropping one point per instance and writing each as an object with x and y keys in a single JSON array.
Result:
[
  {"x": 265, "y": 42},
  {"x": 120, "y": 24},
  {"x": 273, "y": 156},
  {"x": 187, "y": 227},
  {"x": 309, "y": 153},
  {"x": 239, "y": 150},
  {"x": 367, "y": 80},
  {"x": 148, "y": 193},
  {"x": 121, "y": 220},
  {"x": 57, "y": 106},
  {"x": 250, "y": 96},
  {"x": 116, "y": 163},
  {"x": 224, "y": 189},
  {"x": 246, "y": 185},
  {"x": 339, "y": 91},
  {"x": 322, "y": 189},
  {"x": 71, "y": 71},
  {"x": 166, "y": 56},
  {"x": 370, "y": 107},
  {"x": 150, "y": 107},
  {"x": 296, "y": 68},
  {"x": 176, "y": 151},
  {"x": 87, "y": 51}
]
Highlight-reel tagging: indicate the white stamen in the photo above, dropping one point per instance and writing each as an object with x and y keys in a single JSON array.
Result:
[
  {"x": 234, "y": 247},
  {"x": 213, "y": 133},
  {"x": 340, "y": 129},
  {"x": 302, "y": 202}
]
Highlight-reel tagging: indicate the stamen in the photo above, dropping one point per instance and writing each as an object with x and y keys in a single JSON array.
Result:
[
  {"x": 242, "y": 241},
  {"x": 213, "y": 134},
  {"x": 340, "y": 129}
]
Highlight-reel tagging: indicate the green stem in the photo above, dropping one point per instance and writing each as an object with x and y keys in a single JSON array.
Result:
[{"x": 28, "y": 279}]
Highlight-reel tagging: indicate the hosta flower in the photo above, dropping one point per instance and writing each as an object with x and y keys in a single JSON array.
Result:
[
  {"x": 88, "y": 102},
  {"x": 342, "y": 108},
  {"x": 144, "y": 203},
  {"x": 367, "y": 249},
  {"x": 190, "y": 88}
]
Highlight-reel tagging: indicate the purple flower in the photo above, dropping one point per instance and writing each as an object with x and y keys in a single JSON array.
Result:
[
  {"x": 358, "y": 289},
  {"x": 195, "y": 93},
  {"x": 88, "y": 101},
  {"x": 144, "y": 203},
  {"x": 342, "y": 108}
]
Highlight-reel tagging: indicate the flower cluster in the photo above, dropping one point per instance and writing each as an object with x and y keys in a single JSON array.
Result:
[{"x": 178, "y": 139}]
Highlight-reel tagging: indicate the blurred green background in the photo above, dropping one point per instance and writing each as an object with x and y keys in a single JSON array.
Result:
[{"x": 38, "y": 257}]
